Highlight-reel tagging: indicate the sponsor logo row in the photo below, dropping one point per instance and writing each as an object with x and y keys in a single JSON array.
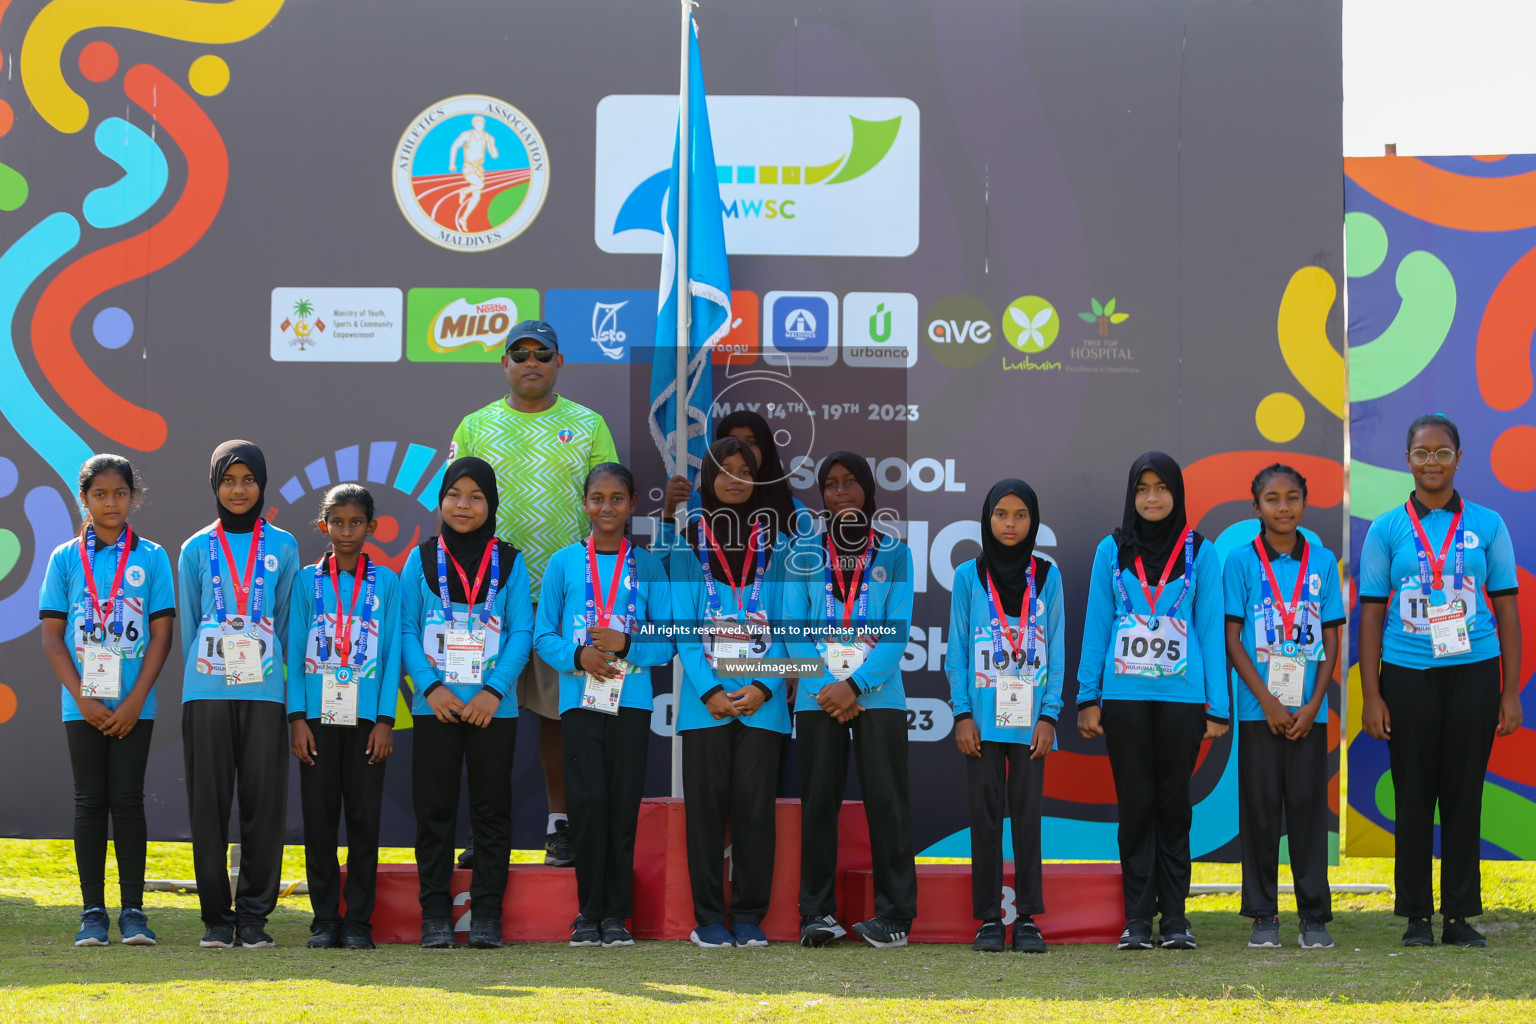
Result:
[{"x": 782, "y": 328}]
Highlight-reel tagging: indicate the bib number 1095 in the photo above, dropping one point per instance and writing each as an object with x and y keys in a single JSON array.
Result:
[{"x": 1154, "y": 648}]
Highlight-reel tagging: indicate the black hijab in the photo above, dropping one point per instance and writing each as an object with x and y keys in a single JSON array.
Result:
[
  {"x": 226, "y": 455},
  {"x": 850, "y": 531},
  {"x": 467, "y": 548},
  {"x": 772, "y": 490},
  {"x": 1007, "y": 566},
  {"x": 730, "y": 525},
  {"x": 1157, "y": 542}
]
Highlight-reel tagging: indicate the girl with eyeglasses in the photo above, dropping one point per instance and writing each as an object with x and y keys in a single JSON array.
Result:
[{"x": 1440, "y": 674}]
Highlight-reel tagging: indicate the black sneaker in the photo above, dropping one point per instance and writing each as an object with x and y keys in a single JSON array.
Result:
[
  {"x": 324, "y": 935},
  {"x": 883, "y": 932},
  {"x": 1266, "y": 933},
  {"x": 1420, "y": 932},
  {"x": 357, "y": 935},
  {"x": 816, "y": 932},
  {"x": 467, "y": 858},
  {"x": 989, "y": 937},
  {"x": 254, "y": 936},
  {"x": 218, "y": 936},
  {"x": 560, "y": 846},
  {"x": 1026, "y": 936},
  {"x": 1460, "y": 933},
  {"x": 615, "y": 934},
  {"x": 436, "y": 933},
  {"x": 485, "y": 933},
  {"x": 1174, "y": 933},
  {"x": 1137, "y": 935},
  {"x": 585, "y": 932},
  {"x": 1314, "y": 935}
]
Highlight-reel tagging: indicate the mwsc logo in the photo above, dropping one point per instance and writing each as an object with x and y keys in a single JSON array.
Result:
[{"x": 798, "y": 175}]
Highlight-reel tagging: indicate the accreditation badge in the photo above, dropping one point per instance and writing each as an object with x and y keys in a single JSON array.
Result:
[
  {"x": 1448, "y": 634},
  {"x": 843, "y": 660},
  {"x": 1015, "y": 695},
  {"x": 242, "y": 658},
  {"x": 338, "y": 695},
  {"x": 101, "y": 673},
  {"x": 463, "y": 657}
]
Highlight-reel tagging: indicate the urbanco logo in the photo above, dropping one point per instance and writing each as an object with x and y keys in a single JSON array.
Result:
[
  {"x": 471, "y": 173},
  {"x": 798, "y": 175},
  {"x": 880, "y": 329}
]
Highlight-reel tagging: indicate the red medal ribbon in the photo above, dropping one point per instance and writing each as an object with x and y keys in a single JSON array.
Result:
[
  {"x": 1289, "y": 612},
  {"x": 1141, "y": 573},
  {"x": 850, "y": 590},
  {"x": 1002, "y": 616},
  {"x": 242, "y": 587},
  {"x": 1436, "y": 565},
  {"x": 344, "y": 623},
  {"x": 603, "y": 610},
  {"x": 485, "y": 561},
  {"x": 746, "y": 564},
  {"x": 103, "y": 610}
]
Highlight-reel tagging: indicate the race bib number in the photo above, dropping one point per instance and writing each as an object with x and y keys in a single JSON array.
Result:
[
  {"x": 216, "y": 640},
  {"x": 338, "y": 696},
  {"x": 1448, "y": 634},
  {"x": 131, "y": 644},
  {"x": 1286, "y": 679},
  {"x": 101, "y": 673},
  {"x": 463, "y": 658},
  {"x": 843, "y": 660},
  {"x": 1414, "y": 607},
  {"x": 1144, "y": 649}
]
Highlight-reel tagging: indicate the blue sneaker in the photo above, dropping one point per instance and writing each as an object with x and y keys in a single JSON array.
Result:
[
  {"x": 748, "y": 934},
  {"x": 712, "y": 936},
  {"x": 93, "y": 927},
  {"x": 134, "y": 927}
]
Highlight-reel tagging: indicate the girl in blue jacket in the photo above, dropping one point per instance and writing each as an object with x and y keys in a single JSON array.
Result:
[
  {"x": 599, "y": 610},
  {"x": 1154, "y": 653},
  {"x": 726, "y": 597},
  {"x": 849, "y": 601},
  {"x": 1005, "y": 676},
  {"x": 108, "y": 610},
  {"x": 235, "y": 578},
  {"x": 467, "y": 621},
  {"x": 343, "y": 682}
]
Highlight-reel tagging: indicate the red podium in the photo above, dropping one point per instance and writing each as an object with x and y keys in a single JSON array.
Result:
[
  {"x": 1084, "y": 902},
  {"x": 541, "y": 902}
]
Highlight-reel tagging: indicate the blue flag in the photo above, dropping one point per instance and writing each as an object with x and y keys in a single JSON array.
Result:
[{"x": 709, "y": 285}]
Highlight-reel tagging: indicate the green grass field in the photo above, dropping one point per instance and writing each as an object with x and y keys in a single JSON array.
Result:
[{"x": 1368, "y": 978}]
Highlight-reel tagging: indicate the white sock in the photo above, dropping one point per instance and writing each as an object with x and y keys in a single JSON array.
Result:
[{"x": 550, "y": 830}]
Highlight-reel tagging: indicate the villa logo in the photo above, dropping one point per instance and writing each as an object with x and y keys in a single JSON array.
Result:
[
  {"x": 798, "y": 175},
  {"x": 471, "y": 173},
  {"x": 1103, "y": 316}
]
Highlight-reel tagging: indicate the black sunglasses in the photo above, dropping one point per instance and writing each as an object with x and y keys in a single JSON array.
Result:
[{"x": 520, "y": 355}]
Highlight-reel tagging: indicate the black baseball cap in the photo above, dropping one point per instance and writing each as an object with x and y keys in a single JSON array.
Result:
[{"x": 538, "y": 330}]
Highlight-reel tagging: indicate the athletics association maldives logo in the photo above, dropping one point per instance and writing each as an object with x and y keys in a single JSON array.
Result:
[
  {"x": 471, "y": 173},
  {"x": 566, "y": 436}
]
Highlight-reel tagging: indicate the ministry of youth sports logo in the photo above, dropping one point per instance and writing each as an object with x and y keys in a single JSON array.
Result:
[{"x": 471, "y": 173}]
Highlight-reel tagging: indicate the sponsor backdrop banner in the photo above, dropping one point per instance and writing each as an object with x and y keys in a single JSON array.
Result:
[
  {"x": 1441, "y": 271},
  {"x": 968, "y": 241}
]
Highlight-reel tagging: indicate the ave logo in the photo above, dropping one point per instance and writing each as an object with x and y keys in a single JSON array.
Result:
[{"x": 959, "y": 331}]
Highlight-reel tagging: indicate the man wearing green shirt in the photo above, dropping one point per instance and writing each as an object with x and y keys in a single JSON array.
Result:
[{"x": 541, "y": 446}]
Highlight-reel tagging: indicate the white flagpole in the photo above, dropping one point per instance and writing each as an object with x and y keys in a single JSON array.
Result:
[{"x": 684, "y": 315}]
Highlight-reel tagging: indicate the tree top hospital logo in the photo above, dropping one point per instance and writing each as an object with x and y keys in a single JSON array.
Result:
[
  {"x": 471, "y": 173},
  {"x": 798, "y": 175}
]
